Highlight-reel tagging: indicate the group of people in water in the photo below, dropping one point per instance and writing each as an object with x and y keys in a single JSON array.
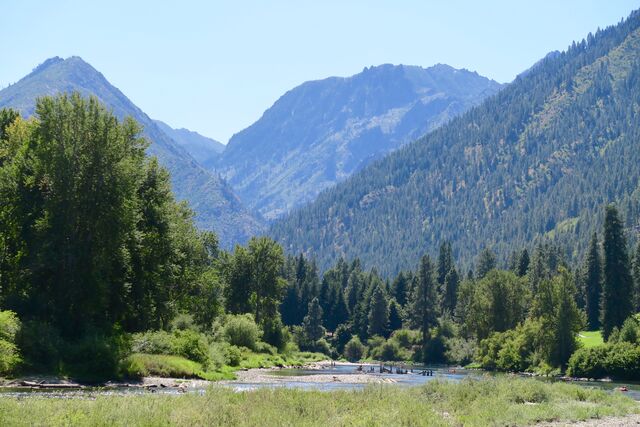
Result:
[{"x": 399, "y": 370}]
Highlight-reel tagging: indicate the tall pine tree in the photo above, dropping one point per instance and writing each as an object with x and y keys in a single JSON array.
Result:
[
  {"x": 592, "y": 278},
  {"x": 523, "y": 263},
  {"x": 568, "y": 321},
  {"x": 312, "y": 323},
  {"x": 636, "y": 277},
  {"x": 423, "y": 309},
  {"x": 450, "y": 294},
  {"x": 401, "y": 288},
  {"x": 445, "y": 262},
  {"x": 617, "y": 292},
  {"x": 379, "y": 313},
  {"x": 486, "y": 263}
]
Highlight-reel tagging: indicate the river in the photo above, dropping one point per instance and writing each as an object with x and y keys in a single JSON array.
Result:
[{"x": 325, "y": 378}]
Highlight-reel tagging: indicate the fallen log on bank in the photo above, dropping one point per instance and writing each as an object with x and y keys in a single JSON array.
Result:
[{"x": 34, "y": 384}]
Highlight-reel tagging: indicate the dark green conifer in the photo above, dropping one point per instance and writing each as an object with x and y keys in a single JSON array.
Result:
[
  {"x": 592, "y": 277},
  {"x": 486, "y": 263},
  {"x": 379, "y": 313},
  {"x": 617, "y": 295}
]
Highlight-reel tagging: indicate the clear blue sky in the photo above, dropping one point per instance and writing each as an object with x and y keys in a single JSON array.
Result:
[{"x": 214, "y": 67}]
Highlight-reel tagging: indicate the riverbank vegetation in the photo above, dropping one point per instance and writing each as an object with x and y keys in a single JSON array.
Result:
[
  {"x": 469, "y": 403},
  {"x": 103, "y": 274},
  {"x": 526, "y": 313}
]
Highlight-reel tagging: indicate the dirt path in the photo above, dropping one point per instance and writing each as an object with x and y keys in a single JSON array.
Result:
[{"x": 628, "y": 420}]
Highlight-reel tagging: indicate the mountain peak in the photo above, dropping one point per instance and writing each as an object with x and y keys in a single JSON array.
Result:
[
  {"x": 322, "y": 131},
  {"x": 46, "y": 64},
  {"x": 537, "y": 161},
  {"x": 215, "y": 205},
  {"x": 56, "y": 60}
]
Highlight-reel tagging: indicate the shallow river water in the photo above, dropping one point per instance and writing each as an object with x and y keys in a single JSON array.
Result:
[{"x": 341, "y": 371}]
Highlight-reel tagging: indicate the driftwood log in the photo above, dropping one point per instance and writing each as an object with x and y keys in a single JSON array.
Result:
[{"x": 34, "y": 384}]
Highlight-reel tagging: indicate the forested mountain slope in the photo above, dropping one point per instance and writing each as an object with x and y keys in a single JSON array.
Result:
[
  {"x": 537, "y": 160},
  {"x": 214, "y": 202},
  {"x": 321, "y": 132}
]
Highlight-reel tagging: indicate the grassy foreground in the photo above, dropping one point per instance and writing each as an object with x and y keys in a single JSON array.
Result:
[{"x": 475, "y": 403}]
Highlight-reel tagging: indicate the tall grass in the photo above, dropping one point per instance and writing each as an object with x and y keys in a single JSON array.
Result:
[
  {"x": 471, "y": 402},
  {"x": 143, "y": 365}
]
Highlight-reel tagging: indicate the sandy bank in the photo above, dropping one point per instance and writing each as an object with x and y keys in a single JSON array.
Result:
[{"x": 270, "y": 376}]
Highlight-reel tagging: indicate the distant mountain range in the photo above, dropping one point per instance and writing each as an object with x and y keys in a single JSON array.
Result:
[
  {"x": 539, "y": 160},
  {"x": 215, "y": 204},
  {"x": 205, "y": 151},
  {"x": 321, "y": 132}
]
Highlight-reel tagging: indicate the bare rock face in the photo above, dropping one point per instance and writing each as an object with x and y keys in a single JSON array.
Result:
[{"x": 321, "y": 132}]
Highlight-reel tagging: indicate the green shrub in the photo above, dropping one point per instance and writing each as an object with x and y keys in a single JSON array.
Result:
[
  {"x": 9, "y": 325},
  {"x": 92, "y": 357},
  {"x": 182, "y": 342},
  {"x": 460, "y": 351},
  {"x": 374, "y": 342},
  {"x": 182, "y": 322},
  {"x": 233, "y": 355},
  {"x": 192, "y": 345},
  {"x": 354, "y": 350},
  {"x": 620, "y": 361},
  {"x": 153, "y": 342},
  {"x": 515, "y": 350},
  {"x": 588, "y": 362},
  {"x": 623, "y": 361},
  {"x": 389, "y": 351},
  {"x": 140, "y": 365},
  {"x": 9, "y": 357},
  {"x": 436, "y": 348},
  {"x": 290, "y": 349},
  {"x": 95, "y": 357},
  {"x": 223, "y": 354},
  {"x": 40, "y": 344},
  {"x": 629, "y": 331},
  {"x": 275, "y": 333},
  {"x": 341, "y": 337},
  {"x": 9, "y": 354},
  {"x": 241, "y": 330},
  {"x": 263, "y": 347},
  {"x": 217, "y": 355},
  {"x": 406, "y": 338},
  {"x": 322, "y": 346}
]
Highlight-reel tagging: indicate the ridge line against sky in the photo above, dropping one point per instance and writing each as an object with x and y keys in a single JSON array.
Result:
[{"x": 214, "y": 67}]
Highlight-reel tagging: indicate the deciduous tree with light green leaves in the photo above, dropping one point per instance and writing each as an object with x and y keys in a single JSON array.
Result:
[
  {"x": 90, "y": 233},
  {"x": 499, "y": 303}
]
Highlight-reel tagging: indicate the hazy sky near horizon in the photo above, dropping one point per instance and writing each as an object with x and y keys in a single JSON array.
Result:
[{"x": 214, "y": 66}]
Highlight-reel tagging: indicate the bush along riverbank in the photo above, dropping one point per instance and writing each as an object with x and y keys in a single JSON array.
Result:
[
  {"x": 184, "y": 351},
  {"x": 618, "y": 358},
  {"x": 469, "y": 403}
]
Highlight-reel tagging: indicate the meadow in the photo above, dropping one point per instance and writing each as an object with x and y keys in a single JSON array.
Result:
[{"x": 590, "y": 338}]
